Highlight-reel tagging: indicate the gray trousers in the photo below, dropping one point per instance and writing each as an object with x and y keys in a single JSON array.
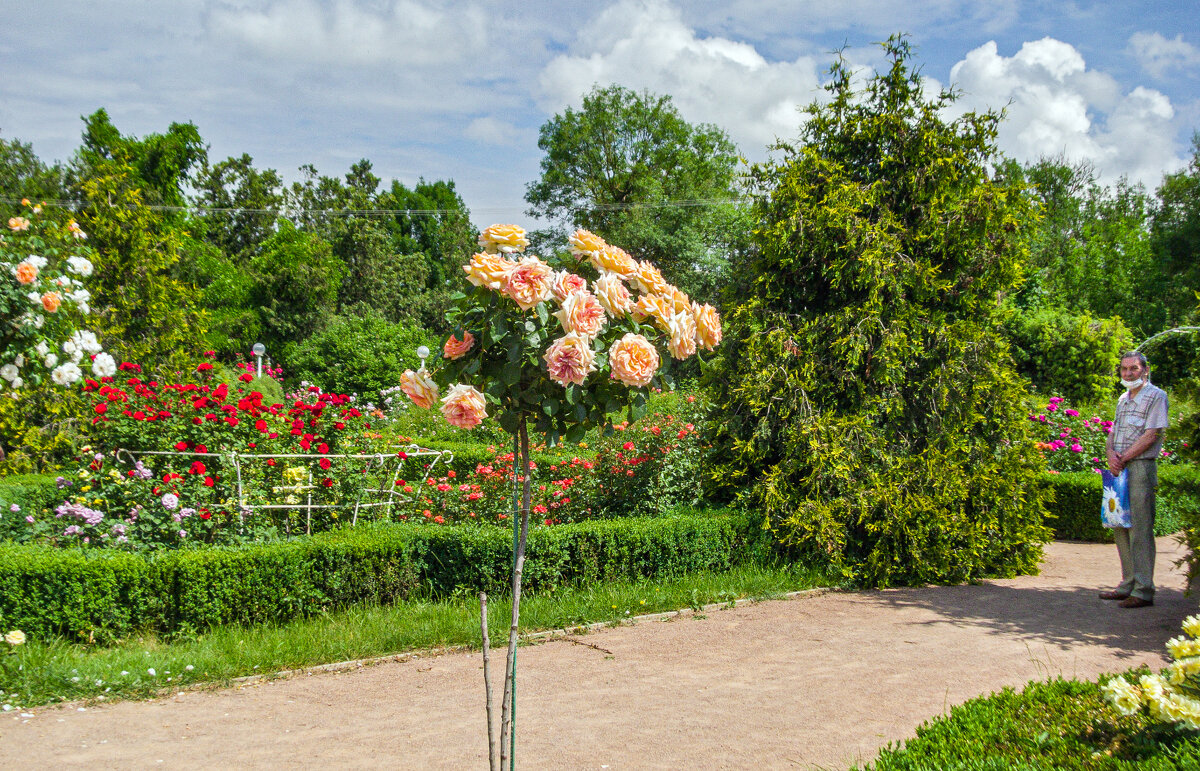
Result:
[{"x": 1135, "y": 545}]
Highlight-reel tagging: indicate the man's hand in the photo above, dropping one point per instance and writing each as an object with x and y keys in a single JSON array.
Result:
[{"x": 1115, "y": 464}]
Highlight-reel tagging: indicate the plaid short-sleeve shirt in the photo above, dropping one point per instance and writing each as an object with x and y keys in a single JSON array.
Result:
[{"x": 1138, "y": 415}]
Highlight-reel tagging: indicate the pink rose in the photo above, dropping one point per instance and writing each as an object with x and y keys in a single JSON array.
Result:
[
  {"x": 464, "y": 406},
  {"x": 582, "y": 314},
  {"x": 456, "y": 349},
  {"x": 565, "y": 283},
  {"x": 529, "y": 283},
  {"x": 419, "y": 387},
  {"x": 633, "y": 360},
  {"x": 570, "y": 359}
]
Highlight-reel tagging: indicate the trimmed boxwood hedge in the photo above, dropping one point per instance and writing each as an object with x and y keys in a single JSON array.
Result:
[
  {"x": 1060, "y": 724},
  {"x": 1075, "y": 513},
  {"x": 103, "y": 594}
]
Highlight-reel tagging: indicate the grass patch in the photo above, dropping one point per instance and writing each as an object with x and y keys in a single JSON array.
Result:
[{"x": 45, "y": 672}]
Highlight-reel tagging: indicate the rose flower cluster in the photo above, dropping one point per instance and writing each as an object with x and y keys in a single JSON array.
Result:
[{"x": 624, "y": 288}]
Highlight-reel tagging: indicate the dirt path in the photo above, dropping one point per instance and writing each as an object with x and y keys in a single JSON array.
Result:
[{"x": 814, "y": 681}]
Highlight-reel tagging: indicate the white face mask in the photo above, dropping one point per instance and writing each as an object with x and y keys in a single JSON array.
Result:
[{"x": 1131, "y": 384}]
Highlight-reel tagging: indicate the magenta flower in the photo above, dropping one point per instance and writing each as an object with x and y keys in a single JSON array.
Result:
[
  {"x": 1073, "y": 413},
  {"x": 1077, "y": 447},
  {"x": 1052, "y": 406}
]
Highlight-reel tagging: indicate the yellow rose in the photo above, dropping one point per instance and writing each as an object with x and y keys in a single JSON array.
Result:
[
  {"x": 683, "y": 335},
  {"x": 503, "y": 238},
  {"x": 708, "y": 326},
  {"x": 615, "y": 260},
  {"x": 419, "y": 387},
  {"x": 657, "y": 308},
  {"x": 613, "y": 294},
  {"x": 15, "y": 637},
  {"x": 680, "y": 299},
  {"x": 488, "y": 270},
  {"x": 649, "y": 280},
  {"x": 585, "y": 242},
  {"x": 633, "y": 360}
]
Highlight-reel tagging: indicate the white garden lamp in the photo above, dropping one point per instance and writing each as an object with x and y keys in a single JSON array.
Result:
[
  {"x": 259, "y": 349},
  {"x": 423, "y": 354}
]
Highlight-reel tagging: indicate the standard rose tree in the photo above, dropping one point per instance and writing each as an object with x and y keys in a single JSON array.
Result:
[{"x": 563, "y": 348}]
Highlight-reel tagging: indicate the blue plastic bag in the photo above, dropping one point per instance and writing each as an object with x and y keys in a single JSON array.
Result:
[{"x": 1114, "y": 505}]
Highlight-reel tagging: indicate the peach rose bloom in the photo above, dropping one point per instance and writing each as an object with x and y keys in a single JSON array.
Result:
[
  {"x": 419, "y": 387},
  {"x": 680, "y": 300},
  {"x": 612, "y": 294},
  {"x": 708, "y": 326},
  {"x": 503, "y": 238},
  {"x": 51, "y": 301},
  {"x": 633, "y": 360},
  {"x": 615, "y": 260},
  {"x": 18, "y": 223},
  {"x": 488, "y": 270},
  {"x": 585, "y": 242},
  {"x": 654, "y": 307},
  {"x": 683, "y": 334},
  {"x": 456, "y": 349},
  {"x": 565, "y": 283},
  {"x": 529, "y": 283},
  {"x": 27, "y": 273},
  {"x": 582, "y": 314},
  {"x": 570, "y": 359},
  {"x": 649, "y": 280},
  {"x": 464, "y": 406}
]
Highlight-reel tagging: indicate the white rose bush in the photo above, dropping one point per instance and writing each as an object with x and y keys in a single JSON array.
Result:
[
  {"x": 561, "y": 348},
  {"x": 45, "y": 304}
]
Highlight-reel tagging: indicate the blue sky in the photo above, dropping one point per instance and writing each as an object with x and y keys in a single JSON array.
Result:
[{"x": 458, "y": 89}]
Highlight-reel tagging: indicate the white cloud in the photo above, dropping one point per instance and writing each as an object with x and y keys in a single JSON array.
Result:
[
  {"x": 1158, "y": 55},
  {"x": 1056, "y": 106},
  {"x": 647, "y": 45},
  {"x": 494, "y": 131}
]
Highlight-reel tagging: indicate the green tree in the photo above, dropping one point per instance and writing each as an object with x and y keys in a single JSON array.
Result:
[
  {"x": 252, "y": 198},
  {"x": 1175, "y": 232},
  {"x": 866, "y": 391},
  {"x": 158, "y": 164},
  {"x": 24, "y": 175},
  {"x": 295, "y": 285},
  {"x": 629, "y": 168}
]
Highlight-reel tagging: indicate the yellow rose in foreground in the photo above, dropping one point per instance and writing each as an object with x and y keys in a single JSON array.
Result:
[
  {"x": 633, "y": 360},
  {"x": 708, "y": 326},
  {"x": 503, "y": 238},
  {"x": 681, "y": 302},
  {"x": 585, "y": 242},
  {"x": 530, "y": 282},
  {"x": 683, "y": 335},
  {"x": 615, "y": 260},
  {"x": 613, "y": 294},
  {"x": 489, "y": 270},
  {"x": 657, "y": 308},
  {"x": 649, "y": 280},
  {"x": 419, "y": 387}
]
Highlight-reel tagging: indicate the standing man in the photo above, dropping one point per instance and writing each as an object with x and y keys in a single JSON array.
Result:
[{"x": 1134, "y": 443}]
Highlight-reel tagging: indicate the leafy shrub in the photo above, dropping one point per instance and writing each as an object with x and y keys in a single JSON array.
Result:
[
  {"x": 865, "y": 389},
  {"x": 31, "y": 494},
  {"x": 356, "y": 354},
  {"x": 1074, "y": 514},
  {"x": 1060, "y": 724},
  {"x": 1067, "y": 353},
  {"x": 105, "y": 594}
]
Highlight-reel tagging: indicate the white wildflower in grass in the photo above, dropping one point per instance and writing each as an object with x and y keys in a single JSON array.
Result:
[{"x": 151, "y": 672}]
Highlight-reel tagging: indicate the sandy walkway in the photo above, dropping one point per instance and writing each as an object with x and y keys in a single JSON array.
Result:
[{"x": 819, "y": 680}]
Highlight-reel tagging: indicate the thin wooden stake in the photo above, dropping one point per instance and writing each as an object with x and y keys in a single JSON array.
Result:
[{"x": 493, "y": 756}]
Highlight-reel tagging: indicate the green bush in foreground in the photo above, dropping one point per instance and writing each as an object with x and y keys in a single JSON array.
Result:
[
  {"x": 1059, "y": 724},
  {"x": 106, "y": 595}
]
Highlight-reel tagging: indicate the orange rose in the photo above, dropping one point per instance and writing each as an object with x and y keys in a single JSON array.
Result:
[
  {"x": 464, "y": 406},
  {"x": 658, "y": 308},
  {"x": 582, "y": 314},
  {"x": 683, "y": 335},
  {"x": 570, "y": 359},
  {"x": 708, "y": 326},
  {"x": 51, "y": 301},
  {"x": 27, "y": 273},
  {"x": 488, "y": 270},
  {"x": 681, "y": 302},
  {"x": 614, "y": 259},
  {"x": 419, "y": 387},
  {"x": 529, "y": 283},
  {"x": 633, "y": 360},
  {"x": 613, "y": 294},
  {"x": 649, "y": 280},
  {"x": 565, "y": 283},
  {"x": 18, "y": 223},
  {"x": 585, "y": 242},
  {"x": 456, "y": 349},
  {"x": 503, "y": 238}
]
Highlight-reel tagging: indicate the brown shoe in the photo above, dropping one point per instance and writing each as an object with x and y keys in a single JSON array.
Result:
[
  {"x": 1135, "y": 602},
  {"x": 1113, "y": 595}
]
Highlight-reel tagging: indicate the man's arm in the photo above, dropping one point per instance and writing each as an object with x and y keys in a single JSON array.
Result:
[{"x": 1137, "y": 448}]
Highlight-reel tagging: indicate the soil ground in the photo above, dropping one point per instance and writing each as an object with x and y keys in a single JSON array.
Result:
[{"x": 821, "y": 680}]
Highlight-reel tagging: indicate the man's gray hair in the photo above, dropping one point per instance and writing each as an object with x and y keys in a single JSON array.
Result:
[{"x": 1141, "y": 357}]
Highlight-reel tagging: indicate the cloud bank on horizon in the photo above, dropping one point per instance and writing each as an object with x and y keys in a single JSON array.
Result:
[{"x": 458, "y": 89}]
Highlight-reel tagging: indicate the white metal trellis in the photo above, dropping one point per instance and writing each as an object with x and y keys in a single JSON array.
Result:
[{"x": 382, "y": 461}]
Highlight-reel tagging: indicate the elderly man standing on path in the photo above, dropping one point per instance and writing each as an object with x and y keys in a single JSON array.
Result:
[{"x": 1134, "y": 444}]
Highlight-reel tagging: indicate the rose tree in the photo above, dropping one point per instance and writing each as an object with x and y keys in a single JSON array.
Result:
[{"x": 561, "y": 346}]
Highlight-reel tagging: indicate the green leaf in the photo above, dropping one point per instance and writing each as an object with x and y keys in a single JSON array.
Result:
[
  {"x": 571, "y": 394},
  {"x": 575, "y": 434},
  {"x": 542, "y": 313},
  {"x": 510, "y": 375}
]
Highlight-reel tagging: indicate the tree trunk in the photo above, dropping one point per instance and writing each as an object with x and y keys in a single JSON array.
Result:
[{"x": 493, "y": 757}]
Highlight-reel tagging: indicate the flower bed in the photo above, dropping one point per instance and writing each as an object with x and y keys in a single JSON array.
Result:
[{"x": 1075, "y": 442}]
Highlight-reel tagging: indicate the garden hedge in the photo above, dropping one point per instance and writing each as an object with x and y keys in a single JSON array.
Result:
[
  {"x": 1075, "y": 513},
  {"x": 105, "y": 594},
  {"x": 1059, "y": 724}
]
